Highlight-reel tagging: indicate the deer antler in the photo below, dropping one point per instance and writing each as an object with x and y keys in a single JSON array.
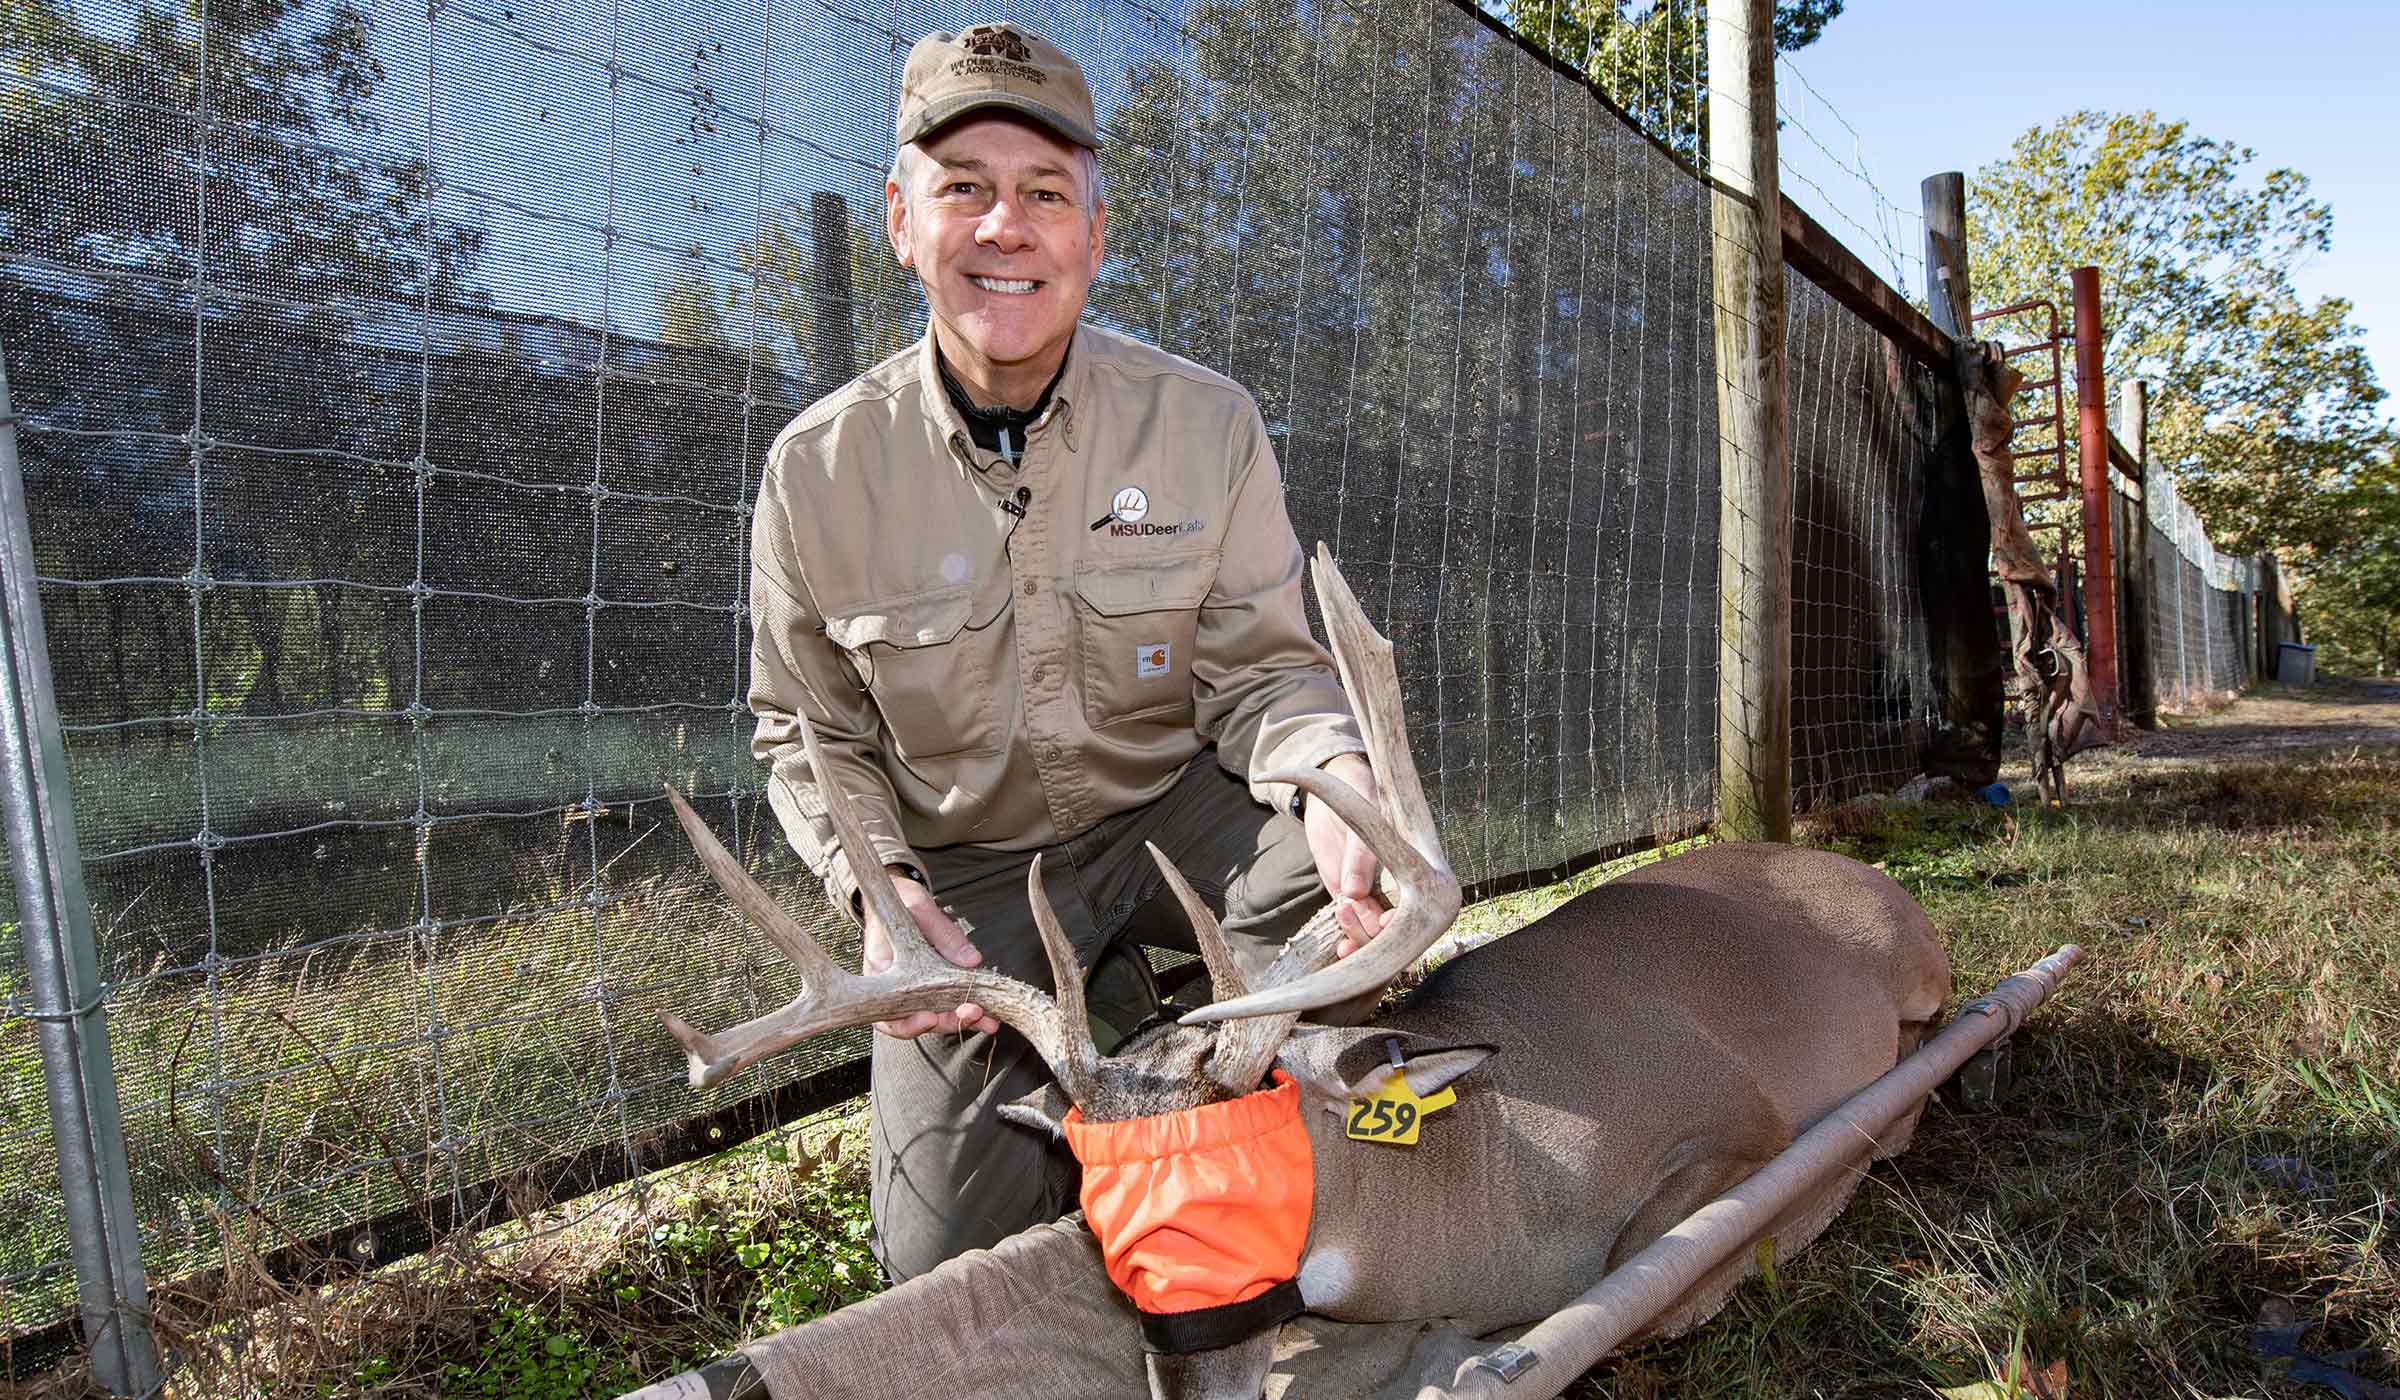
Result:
[
  {"x": 1401, "y": 834},
  {"x": 919, "y": 979}
]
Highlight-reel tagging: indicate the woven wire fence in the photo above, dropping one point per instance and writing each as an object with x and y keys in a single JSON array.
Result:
[
  {"x": 1864, "y": 698},
  {"x": 394, "y": 381},
  {"x": 2202, "y": 617}
]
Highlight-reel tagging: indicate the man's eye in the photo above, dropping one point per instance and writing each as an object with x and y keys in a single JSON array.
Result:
[{"x": 959, "y": 187}]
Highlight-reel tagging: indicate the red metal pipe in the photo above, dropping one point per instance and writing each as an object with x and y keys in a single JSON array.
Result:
[{"x": 2099, "y": 545}]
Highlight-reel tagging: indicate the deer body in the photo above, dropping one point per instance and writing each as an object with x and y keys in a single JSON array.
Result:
[
  {"x": 1617, "y": 1064},
  {"x": 1657, "y": 1040}
]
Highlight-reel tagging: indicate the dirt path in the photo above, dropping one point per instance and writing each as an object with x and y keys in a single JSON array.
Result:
[{"x": 2272, "y": 720}]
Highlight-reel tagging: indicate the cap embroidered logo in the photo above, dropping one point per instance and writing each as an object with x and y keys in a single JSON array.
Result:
[{"x": 998, "y": 42}]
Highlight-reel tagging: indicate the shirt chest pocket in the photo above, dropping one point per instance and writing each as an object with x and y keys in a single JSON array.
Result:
[
  {"x": 927, "y": 668},
  {"x": 1139, "y": 622}
]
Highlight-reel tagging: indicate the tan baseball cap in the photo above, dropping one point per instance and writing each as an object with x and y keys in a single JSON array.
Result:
[{"x": 994, "y": 65}]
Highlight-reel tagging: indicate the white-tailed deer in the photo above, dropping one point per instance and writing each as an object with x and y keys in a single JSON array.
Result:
[{"x": 1617, "y": 1064}]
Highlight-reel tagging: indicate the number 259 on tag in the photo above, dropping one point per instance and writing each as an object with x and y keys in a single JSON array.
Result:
[{"x": 1394, "y": 1114}]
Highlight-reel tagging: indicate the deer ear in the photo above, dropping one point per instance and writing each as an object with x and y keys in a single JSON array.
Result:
[
  {"x": 1044, "y": 1110},
  {"x": 1427, "y": 1073},
  {"x": 1338, "y": 1066}
]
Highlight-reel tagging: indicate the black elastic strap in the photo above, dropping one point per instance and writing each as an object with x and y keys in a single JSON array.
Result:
[{"x": 1207, "y": 1329}]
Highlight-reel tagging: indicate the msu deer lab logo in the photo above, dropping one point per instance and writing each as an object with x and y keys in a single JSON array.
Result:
[{"x": 997, "y": 42}]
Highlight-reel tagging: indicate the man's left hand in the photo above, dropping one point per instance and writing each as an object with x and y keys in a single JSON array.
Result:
[{"x": 1344, "y": 863}]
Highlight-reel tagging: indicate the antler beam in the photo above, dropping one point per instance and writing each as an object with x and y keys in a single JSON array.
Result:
[
  {"x": 919, "y": 979},
  {"x": 1401, "y": 834}
]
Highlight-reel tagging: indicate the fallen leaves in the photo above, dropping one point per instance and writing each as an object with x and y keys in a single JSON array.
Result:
[{"x": 2018, "y": 1381}]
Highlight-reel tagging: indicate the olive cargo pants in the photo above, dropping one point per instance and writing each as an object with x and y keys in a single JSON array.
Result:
[{"x": 948, "y": 1174}]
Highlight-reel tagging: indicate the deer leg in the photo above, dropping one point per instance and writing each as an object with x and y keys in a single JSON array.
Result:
[{"x": 1033, "y": 1318}]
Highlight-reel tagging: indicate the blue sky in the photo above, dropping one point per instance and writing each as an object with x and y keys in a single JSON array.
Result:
[{"x": 1932, "y": 87}]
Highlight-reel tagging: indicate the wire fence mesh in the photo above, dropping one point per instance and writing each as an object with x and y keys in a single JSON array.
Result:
[
  {"x": 394, "y": 380},
  {"x": 2203, "y": 642},
  {"x": 1864, "y": 696}
]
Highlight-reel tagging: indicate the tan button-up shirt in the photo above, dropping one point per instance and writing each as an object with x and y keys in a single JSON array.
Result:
[{"x": 1005, "y": 654}]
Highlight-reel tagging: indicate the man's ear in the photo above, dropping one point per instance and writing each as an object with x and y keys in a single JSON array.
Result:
[
  {"x": 1044, "y": 1110},
  {"x": 895, "y": 223}
]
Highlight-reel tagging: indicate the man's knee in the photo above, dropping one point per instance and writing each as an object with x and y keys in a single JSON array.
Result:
[{"x": 949, "y": 1175}]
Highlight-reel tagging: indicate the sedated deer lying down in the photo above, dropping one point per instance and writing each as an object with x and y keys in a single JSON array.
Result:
[{"x": 1616, "y": 1065}]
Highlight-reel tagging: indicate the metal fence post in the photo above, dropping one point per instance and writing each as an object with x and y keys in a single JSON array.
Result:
[
  {"x": 2141, "y": 593},
  {"x": 62, "y": 965},
  {"x": 1754, "y": 495},
  {"x": 2099, "y": 547}
]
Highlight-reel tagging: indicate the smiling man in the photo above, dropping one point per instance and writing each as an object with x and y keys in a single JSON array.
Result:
[{"x": 1034, "y": 586}]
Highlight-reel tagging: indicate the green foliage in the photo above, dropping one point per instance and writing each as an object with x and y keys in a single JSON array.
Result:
[
  {"x": 1926, "y": 846},
  {"x": 2264, "y": 405},
  {"x": 797, "y": 1258},
  {"x": 1651, "y": 56},
  {"x": 2352, "y": 605},
  {"x": 533, "y": 1353}
]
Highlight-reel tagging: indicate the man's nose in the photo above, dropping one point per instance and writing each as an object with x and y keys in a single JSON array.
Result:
[{"x": 1004, "y": 229}]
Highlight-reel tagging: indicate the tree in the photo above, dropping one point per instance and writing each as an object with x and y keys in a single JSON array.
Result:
[
  {"x": 2263, "y": 405},
  {"x": 1651, "y": 56},
  {"x": 2352, "y": 606},
  {"x": 312, "y": 227}
]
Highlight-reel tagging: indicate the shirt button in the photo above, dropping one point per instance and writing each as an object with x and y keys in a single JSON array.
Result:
[{"x": 1029, "y": 588}]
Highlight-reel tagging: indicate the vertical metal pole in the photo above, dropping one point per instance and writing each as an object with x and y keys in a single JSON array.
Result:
[
  {"x": 2141, "y": 592},
  {"x": 62, "y": 966},
  {"x": 2099, "y": 547},
  {"x": 1754, "y": 493}
]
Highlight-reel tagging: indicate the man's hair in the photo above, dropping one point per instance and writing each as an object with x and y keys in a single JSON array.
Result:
[{"x": 911, "y": 160}]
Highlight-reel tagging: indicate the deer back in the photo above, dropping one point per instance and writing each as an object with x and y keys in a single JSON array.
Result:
[{"x": 1658, "y": 1039}]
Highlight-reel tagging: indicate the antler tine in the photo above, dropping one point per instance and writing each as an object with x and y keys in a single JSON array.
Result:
[
  {"x": 1244, "y": 1050},
  {"x": 1224, "y": 974},
  {"x": 781, "y": 929},
  {"x": 1428, "y": 906},
  {"x": 874, "y": 882},
  {"x": 1401, "y": 834},
  {"x": 1079, "y": 1074},
  {"x": 831, "y": 999},
  {"x": 1364, "y": 657}
]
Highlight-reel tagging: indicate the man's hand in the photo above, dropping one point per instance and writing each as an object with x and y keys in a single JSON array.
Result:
[
  {"x": 1344, "y": 863},
  {"x": 948, "y": 939}
]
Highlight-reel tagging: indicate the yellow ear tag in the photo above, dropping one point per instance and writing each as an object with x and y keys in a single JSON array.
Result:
[{"x": 1394, "y": 1113}]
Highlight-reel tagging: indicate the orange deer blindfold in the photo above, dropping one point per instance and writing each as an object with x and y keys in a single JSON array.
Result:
[{"x": 1202, "y": 1214}]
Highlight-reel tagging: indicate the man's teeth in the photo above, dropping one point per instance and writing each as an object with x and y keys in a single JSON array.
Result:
[{"x": 1018, "y": 287}]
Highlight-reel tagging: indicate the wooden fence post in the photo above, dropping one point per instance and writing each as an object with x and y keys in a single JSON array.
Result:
[
  {"x": 1954, "y": 533},
  {"x": 1754, "y": 493},
  {"x": 2141, "y": 672}
]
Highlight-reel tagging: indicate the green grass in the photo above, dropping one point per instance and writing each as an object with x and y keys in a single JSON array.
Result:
[
  {"x": 2204, "y": 1138},
  {"x": 2201, "y": 1137}
]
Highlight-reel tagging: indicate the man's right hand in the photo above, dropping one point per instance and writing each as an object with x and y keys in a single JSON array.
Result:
[{"x": 947, "y": 939}]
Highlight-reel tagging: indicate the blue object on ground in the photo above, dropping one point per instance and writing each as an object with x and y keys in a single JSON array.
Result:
[{"x": 1996, "y": 794}]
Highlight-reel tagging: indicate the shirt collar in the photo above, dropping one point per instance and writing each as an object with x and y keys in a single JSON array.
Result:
[{"x": 953, "y": 428}]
